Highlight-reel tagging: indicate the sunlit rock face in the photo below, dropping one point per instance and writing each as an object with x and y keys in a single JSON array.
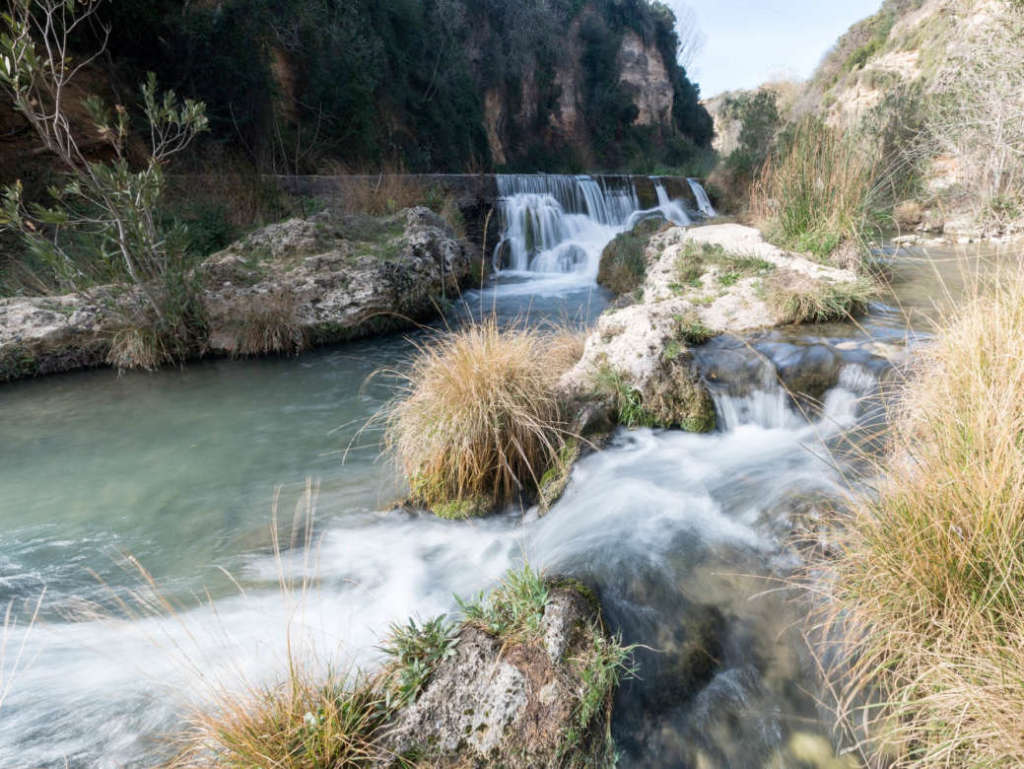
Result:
[{"x": 644, "y": 73}]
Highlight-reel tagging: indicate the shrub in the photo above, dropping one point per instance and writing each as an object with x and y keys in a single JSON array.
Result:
[
  {"x": 478, "y": 421},
  {"x": 816, "y": 192},
  {"x": 929, "y": 601},
  {"x": 758, "y": 115}
]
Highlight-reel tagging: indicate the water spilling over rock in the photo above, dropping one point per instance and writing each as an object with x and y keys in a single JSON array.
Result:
[{"x": 560, "y": 224}]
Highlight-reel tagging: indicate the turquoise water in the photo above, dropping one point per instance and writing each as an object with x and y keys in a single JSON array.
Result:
[{"x": 178, "y": 471}]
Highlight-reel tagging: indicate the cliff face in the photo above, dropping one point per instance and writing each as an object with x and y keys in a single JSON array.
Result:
[
  {"x": 645, "y": 75},
  {"x": 934, "y": 90},
  {"x": 514, "y": 111},
  {"x": 426, "y": 85}
]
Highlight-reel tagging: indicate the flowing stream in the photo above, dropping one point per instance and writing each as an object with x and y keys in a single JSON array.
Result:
[{"x": 176, "y": 472}]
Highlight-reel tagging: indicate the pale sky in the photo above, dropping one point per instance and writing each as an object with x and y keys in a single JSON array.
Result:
[{"x": 748, "y": 42}]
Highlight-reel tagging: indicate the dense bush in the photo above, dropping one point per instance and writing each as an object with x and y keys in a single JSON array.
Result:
[{"x": 758, "y": 114}]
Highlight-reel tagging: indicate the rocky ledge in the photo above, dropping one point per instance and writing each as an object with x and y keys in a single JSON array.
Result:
[
  {"x": 324, "y": 279},
  {"x": 515, "y": 694},
  {"x": 690, "y": 285}
]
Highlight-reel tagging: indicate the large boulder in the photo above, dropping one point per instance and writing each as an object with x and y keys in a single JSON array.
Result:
[
  {"x": 327, "y": 278},
  {"x": 698, "y": 283},
  {"x": 331, "y": 278},
  {"x": 45, "y": 335}
]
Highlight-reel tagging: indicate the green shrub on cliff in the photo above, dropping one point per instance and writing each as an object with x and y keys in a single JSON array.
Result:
[{"x": 623, "y": 264}]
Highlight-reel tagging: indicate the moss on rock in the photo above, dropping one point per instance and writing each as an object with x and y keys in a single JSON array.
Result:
[{"x": 623, "y": 264}]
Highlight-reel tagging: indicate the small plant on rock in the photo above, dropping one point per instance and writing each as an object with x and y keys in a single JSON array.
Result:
[
  {"x": 417, "y": 649},
  {"x": 513, "y": 610}
]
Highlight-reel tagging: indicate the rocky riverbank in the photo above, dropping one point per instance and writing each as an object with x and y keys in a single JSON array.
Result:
[
  {"x": 692, "y": 285},
  {"x": 328, "y": 278}
]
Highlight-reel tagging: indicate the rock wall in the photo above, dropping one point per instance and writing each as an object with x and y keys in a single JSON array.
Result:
[{"x": 645, "y": 75}]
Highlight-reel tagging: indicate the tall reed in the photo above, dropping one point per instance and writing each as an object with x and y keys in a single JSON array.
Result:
[
  {"x": 928, "y": 599},
  {"x": 815, "y": 192}
]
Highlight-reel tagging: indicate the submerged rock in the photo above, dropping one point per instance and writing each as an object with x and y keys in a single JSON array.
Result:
[
  {"x": 305, "y": 281},
  {"x": 519, "y": 703}
]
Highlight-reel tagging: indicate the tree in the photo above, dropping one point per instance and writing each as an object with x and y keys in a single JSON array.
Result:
[
  {"x": 691, "y": 38},
  {"x": 106, "y": 209}
]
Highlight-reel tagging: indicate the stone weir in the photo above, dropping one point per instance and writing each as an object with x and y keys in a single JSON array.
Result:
[{"x": 477, "y": 195}]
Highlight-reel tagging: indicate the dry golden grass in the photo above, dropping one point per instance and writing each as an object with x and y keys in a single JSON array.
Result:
[
  {"x": 270, "y": 324},
  {"x": 798, "y": 298},
  {"x": 388, "y": 193},
  {"x": 564, "y": 348},
  {"x": 929, "y": 589},
  {"x": 138, "y": 347},
  {"x": 307, "y": 722},
  {"x": 479, "y": 420}
]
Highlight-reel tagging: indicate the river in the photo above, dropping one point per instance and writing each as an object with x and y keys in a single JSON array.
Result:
[{"x": 180, "y": 473}]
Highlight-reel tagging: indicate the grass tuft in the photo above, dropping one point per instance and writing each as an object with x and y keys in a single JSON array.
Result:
[
  {"x": 305, "y": 723},
  {"x": 514, "y": 610},
  {"x": 929, "y": 593},
  {"x": 268, "y": 324},
  {"x": 799, "y": 298},
  {"x": 628, "y": 401},
  {"x": 416, "y": 650},
  {"x": 479, "y": 417}
]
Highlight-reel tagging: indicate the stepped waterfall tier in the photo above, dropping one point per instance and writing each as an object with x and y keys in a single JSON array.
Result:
[{"x": 560, "y": 224}]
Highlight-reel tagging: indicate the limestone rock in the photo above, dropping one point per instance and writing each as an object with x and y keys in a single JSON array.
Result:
[
  {"x": 494, "y": 703},
  {"x": 324, "y": 279},
  {"x": 645, "y": 347}
]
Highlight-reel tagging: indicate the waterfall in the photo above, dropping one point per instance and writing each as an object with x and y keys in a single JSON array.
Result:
[
  {"x": 703, "y": 201},
  {"x": 670, "y": 209},
  {"x": 560, "y": 224},
  {"x": 769, "y": 404}
]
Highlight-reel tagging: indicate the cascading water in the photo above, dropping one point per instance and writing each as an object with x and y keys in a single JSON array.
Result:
[
  {"x": 682, "y": 536},
  {"x": 669, "y": 208},
  {"x": 703, "y": 201},
  {"x": 561, "y": 224}
]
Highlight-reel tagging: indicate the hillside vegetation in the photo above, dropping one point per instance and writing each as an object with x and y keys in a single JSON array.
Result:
[
  {"x": 931, "y": 94},
  {"x": 424, "y": 85}
]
